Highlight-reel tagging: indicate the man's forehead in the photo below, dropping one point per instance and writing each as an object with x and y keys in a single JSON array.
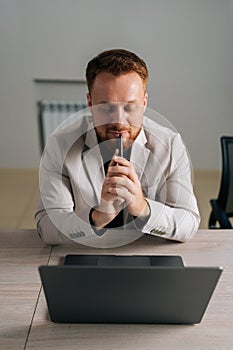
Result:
[
  {"x": 125, "y": 88},
  {"x": 108, "y": 79},
  {"x": 134, "y": 101}
]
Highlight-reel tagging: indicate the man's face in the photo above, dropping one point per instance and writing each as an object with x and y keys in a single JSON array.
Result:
[{"x": 119, "y": 104}]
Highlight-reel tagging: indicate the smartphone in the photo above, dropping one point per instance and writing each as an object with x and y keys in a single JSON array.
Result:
[{"x": 120, "y": 146}]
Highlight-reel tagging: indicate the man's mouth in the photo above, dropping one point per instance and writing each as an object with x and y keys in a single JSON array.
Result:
[{"x": 118, "y": 133}]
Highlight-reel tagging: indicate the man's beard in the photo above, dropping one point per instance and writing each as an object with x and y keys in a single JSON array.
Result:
[{"x": 110, "y": 134}]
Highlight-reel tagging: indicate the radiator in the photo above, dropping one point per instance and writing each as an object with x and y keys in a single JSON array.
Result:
[{"x": 52, "y": 113}]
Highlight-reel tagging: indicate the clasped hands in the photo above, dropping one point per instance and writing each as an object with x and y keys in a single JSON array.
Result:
[{"x": 121, "y": 189}]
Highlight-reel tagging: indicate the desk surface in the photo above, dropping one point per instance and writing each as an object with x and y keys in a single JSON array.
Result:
[{"x": 24, "y": 322}]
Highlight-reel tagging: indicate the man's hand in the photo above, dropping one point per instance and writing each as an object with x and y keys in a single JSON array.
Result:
[
  {"x": 110, "y": 205},
  {"x": 121, "y": 189},
  {"x": 123, "y": 182}
]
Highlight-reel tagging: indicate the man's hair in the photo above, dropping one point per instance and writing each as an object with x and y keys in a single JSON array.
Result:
[{"x": 116, "y": 62}]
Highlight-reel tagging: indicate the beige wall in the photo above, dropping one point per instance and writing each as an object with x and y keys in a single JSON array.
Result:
[{"x": 187, "y": 45}]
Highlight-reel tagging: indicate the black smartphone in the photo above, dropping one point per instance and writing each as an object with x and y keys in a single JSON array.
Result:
[{"x": 120, "y": 146}]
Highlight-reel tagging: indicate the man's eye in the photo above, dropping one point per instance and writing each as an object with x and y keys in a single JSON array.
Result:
[
  {"x": 106, "y": 109},
  {"x": 129, "y": 107}
]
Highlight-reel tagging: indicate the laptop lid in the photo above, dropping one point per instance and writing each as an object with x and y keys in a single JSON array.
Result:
[
  {"x": 123, "y": 260},
  {"x": 128, "y": 294}
]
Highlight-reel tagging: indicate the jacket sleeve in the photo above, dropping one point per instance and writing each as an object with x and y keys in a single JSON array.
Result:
[
  {"x": 174, "y": 212},
  {"x": 56, "y": 219}
]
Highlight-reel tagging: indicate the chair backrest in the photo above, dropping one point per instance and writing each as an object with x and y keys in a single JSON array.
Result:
[{"x": 225, "y": 197}]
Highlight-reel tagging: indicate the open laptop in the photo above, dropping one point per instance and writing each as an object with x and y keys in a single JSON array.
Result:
[{"x": 127, "y": 289}]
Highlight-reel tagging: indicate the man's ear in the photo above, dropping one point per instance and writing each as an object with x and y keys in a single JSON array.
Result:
[
  {"x": 89, "y": 103},
  {"x": 145, "y": 99}
]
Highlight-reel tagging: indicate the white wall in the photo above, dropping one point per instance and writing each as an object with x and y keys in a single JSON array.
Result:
[{"x": 187, "y": 44}]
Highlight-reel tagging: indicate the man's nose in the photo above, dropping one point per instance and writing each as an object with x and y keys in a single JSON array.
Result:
[{"x": 119, "y": 115}]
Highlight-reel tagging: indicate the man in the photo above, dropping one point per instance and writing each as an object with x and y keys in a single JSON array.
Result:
[{"x": 87, "y": 187}]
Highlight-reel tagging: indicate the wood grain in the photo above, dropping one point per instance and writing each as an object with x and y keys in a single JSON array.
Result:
[{"x": 20, "y": 254}]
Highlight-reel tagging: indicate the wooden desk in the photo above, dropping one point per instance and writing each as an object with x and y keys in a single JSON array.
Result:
[{"x": 24, "y": 322}]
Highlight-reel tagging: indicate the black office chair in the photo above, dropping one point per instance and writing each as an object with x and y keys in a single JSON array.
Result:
[{"x": 222, "y": 207}]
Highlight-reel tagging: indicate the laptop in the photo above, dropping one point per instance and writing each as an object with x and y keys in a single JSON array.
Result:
[{"x": 127, "y": 289}]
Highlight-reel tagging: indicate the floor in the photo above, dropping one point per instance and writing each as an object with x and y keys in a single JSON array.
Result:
[
  {"x": 18, "y": 199},
  {"x": 19, "y": 193}
]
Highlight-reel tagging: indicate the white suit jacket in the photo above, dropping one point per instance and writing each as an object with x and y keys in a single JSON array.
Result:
[{"x": 72, "y": 174}]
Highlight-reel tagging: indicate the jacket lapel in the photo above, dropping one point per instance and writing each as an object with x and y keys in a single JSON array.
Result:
[
  {"x": 93, "y": 162},
  {"x": 139, "y": 154}
]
